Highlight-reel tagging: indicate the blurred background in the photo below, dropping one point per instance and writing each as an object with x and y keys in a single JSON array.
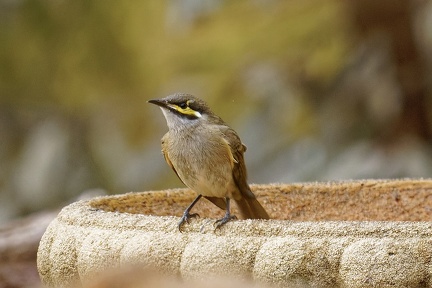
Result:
[{"x": 317, "y": 90}]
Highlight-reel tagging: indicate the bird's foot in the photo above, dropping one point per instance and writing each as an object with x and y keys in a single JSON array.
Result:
[
  {"x": 228, "y": 217},
  {"x": 185, "y": 219}
]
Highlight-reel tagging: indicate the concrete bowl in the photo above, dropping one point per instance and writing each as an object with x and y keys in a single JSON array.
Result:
[{"x": 366, "y": 233}]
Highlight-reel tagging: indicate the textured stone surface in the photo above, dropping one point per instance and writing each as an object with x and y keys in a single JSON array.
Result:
[{"x": 88, "y": 237}]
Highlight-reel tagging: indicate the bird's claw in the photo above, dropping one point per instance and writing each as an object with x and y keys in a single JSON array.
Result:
[
  {"x": 228, "y": 217},
  {"x": 185, "y": 219}
]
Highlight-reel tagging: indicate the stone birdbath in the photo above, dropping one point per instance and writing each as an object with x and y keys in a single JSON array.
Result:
[{"x": 368, "y": 233}]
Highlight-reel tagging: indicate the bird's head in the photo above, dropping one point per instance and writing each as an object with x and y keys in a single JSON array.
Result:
[{"x": 183, "y": 110}]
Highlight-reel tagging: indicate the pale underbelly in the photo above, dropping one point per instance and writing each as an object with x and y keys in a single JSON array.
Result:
[{"x": 210, "y": 180}]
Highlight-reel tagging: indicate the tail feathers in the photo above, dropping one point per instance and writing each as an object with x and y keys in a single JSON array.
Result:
[
  {"x": 250, "y": 208},
  {"x": 219, "y": 202}
]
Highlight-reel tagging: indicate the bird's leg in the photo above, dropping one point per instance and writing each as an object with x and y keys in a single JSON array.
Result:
[
  {"x": 186, "y": 215},
  {"x": 228, "y": 217}
]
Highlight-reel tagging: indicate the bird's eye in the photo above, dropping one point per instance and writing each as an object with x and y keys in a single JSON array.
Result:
[{"x": 183, "y": 105}]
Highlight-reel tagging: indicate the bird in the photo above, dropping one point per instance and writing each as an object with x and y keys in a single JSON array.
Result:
[{"x": 207, "y": 156}]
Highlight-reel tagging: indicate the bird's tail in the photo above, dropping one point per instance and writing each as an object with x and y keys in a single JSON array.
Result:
[{"x": 250, "y": 208}]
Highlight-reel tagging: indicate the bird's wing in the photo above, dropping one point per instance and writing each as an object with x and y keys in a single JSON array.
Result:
[
  {"x": 236, "y": 150},
  {"x": 165, "y": 154},
  {"x": 247, "y": 202}
]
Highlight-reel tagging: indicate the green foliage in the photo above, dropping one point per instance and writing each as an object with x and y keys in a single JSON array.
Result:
[
  {"x": 73, "y": 52},
  {"x": 83, "y": 55}
]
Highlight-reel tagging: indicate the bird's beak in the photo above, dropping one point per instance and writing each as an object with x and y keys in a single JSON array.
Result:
[{"x": 158, "y": 102}]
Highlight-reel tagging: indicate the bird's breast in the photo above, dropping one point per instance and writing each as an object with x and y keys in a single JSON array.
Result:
[{"x": 203, "y": 163}]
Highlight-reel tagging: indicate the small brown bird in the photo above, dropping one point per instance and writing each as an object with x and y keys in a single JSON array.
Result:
[{"x": 207, "y": 156}]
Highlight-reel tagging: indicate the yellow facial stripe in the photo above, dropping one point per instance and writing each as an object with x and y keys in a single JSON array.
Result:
[{"x": 185, "y": 111}]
